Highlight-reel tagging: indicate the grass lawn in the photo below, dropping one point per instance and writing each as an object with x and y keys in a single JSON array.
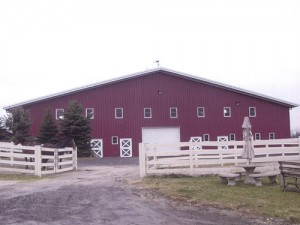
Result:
[
  {"x": 19, "y": 177},
  {"x": 267, "y": 200}
]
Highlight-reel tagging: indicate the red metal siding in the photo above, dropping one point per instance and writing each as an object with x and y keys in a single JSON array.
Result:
[{"x": 135, "y": 94}]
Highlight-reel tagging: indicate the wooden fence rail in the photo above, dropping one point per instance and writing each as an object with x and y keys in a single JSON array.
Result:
[
  {"x": 155, "y": 159},
  {"x": 36, "y": 160}
]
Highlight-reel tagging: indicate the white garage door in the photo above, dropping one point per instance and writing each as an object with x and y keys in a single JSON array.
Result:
[{"x": 161, "y": 135}]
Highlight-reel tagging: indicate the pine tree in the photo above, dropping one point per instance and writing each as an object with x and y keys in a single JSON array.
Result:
[
  {"x": 77, "y": 127},
  {"x": 4, "y": 134},
  {"x": 48, "y": 129},
  {"x": 18, "y": 123}
]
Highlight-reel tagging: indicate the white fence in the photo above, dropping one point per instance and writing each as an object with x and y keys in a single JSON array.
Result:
[
  {"x": 36, "y": 160},
  {"x": 194, "y": 156}
]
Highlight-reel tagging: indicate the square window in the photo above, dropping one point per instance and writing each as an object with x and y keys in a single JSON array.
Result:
[
  {"x": 231, "y": 137},
  {"x": 89, "y": 113},
  {"x": 252, "y": 112},
  {"x": 200, "y": 112},
  {"x": 205, "y": 137},
  {"x": 173, "y": 112},
  {"x": 257, "y": 136},
  {"x": 59, "y": 114},
  {"x": 147, "y": 113},
  {"x": 271, "y": 136},
  {"x": 114, "y": 140},
  {"x": 119, "y": 113},
  {"x": 227, "y": 112}
]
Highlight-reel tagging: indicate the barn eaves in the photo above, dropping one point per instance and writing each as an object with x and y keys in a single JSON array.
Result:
[{"x": 151, "y": 71}]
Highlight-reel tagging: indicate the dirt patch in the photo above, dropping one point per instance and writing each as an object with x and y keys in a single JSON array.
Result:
[{"x": 104, "y": 192}]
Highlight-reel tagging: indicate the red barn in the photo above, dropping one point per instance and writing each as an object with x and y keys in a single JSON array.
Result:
[{"x": 161, "y": 105}]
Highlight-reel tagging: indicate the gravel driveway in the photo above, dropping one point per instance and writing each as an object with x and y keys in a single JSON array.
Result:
[{"x": 103, "y": 191}]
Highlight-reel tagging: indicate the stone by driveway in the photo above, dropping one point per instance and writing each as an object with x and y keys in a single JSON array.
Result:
[{"x": 103, "y": 191}]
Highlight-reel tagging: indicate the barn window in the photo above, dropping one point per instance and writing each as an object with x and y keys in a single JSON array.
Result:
[
  {"x": 205, "y": 137},
  {"x": 252, "y": 112},
  {"x": 227, "y": 112},
  {"x": 173, "y": 112},
  {"x": 257, "y": 136},
  {"x": 147, "y": 113},
  {"x": 59, "y": 114},
  {"x": 89, "y": 112},
  {"x": 114, "y": 140},
  {"x": 200, "y": 112},
  {"x": 231, "y": 137},
  {"x": 119, "y": 113},
  {"x": 271, "y": 136}
]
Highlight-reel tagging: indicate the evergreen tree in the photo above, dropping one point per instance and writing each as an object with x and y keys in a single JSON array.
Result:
[
  {"x": 77, "y": 127},
  {"x": 48, "y": 129},
  {"x": 4, "y": 134},
  {"x": 18, "y": 123}
]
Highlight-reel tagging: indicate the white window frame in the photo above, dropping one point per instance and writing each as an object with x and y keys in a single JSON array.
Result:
[
  {"x": 250, "y": 114},
  {"x": 116, "y": 113},
  {"x": 148, "y": 115},
  {"x": 171, "y": 112},
  {"x": 113, "y": 138},
  {"x": 272, "y": 136},
  {"x": 202, "y": 110},
  {"x": 206, "y": 137},
  {"x": 257, "y": 136},
  {"x": 230, "y": 137},
  {"x": 92, "y": 113},
  {"x": 59, "y": 117},
  {"x": 227, "y": 110}
]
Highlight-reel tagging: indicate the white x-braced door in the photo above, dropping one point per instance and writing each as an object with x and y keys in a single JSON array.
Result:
[
  {"x": 126, "y": 147},
  {"x": 223, "y": 139},
  {"x": 97, "y": 147},
  {"x": 196, "y": 139}
]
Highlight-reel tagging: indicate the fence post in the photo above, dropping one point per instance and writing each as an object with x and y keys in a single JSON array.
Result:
[
  {"x": 11, "y": 154},
  {"x": 56, "y": 160},
  {"x": 75, "y": 165},
  {"x": 191, "y": 159},
  {"x": 142, "y": 158},
  {"x": 38, "y": 160}
]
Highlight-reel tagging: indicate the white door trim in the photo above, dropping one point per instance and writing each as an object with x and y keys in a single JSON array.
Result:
[
  {"x": 223, "y": 139},
  {"x": 126, "y": 147},
  {"x": 97, "y": 147}
]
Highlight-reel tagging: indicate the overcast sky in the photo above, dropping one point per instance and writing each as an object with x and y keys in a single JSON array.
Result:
[{"x": 48, "y": 46}]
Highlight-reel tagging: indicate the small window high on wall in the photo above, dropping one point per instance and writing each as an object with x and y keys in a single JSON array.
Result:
[
  {"x": 119, "y": 113},
  {"x": 59, "y": 114},
  {"x": 227, "y": 112},
  {"x": 252, "y": 112},
  {"x": 173, "y": 112},
  {"x": 200, "y": 112},
  {"x": 89, "y": 113},
  {"x": 147, "y": 113}
]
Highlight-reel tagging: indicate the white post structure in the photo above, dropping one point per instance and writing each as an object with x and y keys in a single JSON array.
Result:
[
  {"x": 56, "y": 160},
  {"x": 38, "y": 160},
  {"x": 11, "y": 153},
  {"x": 75, "y": 166},
  {"x": 142, "y": 162},
  {"x": 191, "y": 149}
]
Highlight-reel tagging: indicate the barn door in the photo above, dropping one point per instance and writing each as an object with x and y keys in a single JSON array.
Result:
[
  {"x": 196, "y": 139},
  {"x": 126, "y": 147},
  {"x": 97, "y": 147},
  {"x": 223, "y": 139}
]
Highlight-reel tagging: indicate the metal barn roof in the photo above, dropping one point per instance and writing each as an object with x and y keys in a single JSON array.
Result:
[{"x": 151, "y": 71}]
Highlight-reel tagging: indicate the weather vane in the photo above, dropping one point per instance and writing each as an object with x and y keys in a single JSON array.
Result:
[{"x": 157, "y": 62}]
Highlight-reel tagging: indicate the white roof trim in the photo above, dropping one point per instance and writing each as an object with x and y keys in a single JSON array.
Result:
[{"x": 142, "y": 73}]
